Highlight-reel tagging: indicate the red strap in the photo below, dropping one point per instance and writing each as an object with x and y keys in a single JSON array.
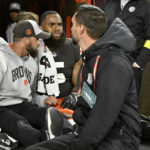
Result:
[
  {"x": 95, "y": 69},
  {"x": 94, "y": 74},
  {"x": 79, "y": 90}
]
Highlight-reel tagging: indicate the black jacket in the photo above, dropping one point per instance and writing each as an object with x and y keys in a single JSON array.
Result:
[
  {"x": 116, "y": 103},
  {"x": 136, "y": 15}
]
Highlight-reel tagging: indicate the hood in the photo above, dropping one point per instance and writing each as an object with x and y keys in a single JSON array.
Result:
[
  {"x": 3, "y": 42},
  {"x": 7, "y": 50},
  {"x": 116, "y": 35},
  {"x": 3, "y": 45}
]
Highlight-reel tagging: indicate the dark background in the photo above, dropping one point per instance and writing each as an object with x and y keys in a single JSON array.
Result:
[{"x": 64, "y": 7}]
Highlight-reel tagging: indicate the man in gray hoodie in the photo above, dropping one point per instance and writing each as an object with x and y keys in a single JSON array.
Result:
[{"x": 20, "y": 118}]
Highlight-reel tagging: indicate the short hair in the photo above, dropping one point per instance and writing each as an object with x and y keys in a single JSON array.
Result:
[
  {"x": 93, "y": 18},
  {"x": 26, "y": 15},
  {"x": 49, "y": 12}
]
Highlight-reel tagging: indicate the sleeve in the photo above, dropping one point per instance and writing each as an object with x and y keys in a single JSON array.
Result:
[
  {"x": 1, "y": 72},
  {"x": 40, "y": 100},
  {"x": 3, "y": 66},
  {"x": 37, "y": 98},
  {"x": 33, "y": 88},
  {"x": 144, "y": 55},
  {"x": 112, "y": 84},
  {"x": 33, "y": 83},
  {"x": 9, "y": 31}
]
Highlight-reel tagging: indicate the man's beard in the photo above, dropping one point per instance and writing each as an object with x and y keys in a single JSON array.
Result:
[
  {"x": 33, "y": 52},
  {"x": 53, "y": 43}
]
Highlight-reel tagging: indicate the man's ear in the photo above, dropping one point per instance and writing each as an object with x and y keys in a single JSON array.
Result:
[
  {"x": 26, "y": 41},
  {"x": 82, "y": 29}
]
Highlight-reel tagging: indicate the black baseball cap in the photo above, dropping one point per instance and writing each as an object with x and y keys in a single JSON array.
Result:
[
  {"x": 14, "y": 7},
  {"x": 29, "y": 28}
]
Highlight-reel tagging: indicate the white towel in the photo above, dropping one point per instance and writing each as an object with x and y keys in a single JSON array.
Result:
[
  {"x": 47, "y": 80},
  {"x": 123, "y": 3}
]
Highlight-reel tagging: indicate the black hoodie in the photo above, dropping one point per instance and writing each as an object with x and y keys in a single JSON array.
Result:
[{"x": 116, "y": 104}]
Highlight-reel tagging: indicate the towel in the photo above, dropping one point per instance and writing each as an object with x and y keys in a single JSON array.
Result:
[{"x": 47, "y": 76}]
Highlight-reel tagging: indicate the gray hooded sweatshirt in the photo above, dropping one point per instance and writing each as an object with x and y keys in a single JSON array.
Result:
[{"x": 16, "y": 76}]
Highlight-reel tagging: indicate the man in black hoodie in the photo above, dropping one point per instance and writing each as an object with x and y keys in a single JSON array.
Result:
[
  {"x": 136, "y": 15},
  {"x": 106, "y": 112}
]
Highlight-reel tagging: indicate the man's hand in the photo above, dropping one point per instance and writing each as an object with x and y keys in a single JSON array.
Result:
[
  {"x": 70, "y": 101},
  {"x": 51, "y": 100}
]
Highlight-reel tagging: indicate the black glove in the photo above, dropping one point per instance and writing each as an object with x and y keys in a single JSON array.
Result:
[
  {"x": 70, "y": 101},
  {"x": 82, "y": 103}
]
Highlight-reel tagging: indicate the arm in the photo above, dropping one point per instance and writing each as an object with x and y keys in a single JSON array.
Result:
[
  {"x": 3, "y": 66},
  {"x": 144, "y": 55},
  {"x": 42, "y": 100},
  {"x": 101, "y": 119},
  {"x": 51, "y": 100},
  {"x": 78, "y": 62},
  {"x": 75, "y": 73}
]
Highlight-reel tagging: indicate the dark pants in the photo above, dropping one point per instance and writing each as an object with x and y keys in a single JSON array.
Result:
[
  {"x": 65, "y": 142},
  {"x": 138, "y": 79},
  {"x": 58, "y": 143},
  {"x": 24, "y": 122}
]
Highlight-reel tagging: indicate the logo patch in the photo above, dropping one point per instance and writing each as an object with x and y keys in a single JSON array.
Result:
[
  {"x": 54, "y": 54},
  {"x": 132, "y": 9},
  {"x": 25, "y": 82},
  {"x": 90, "y": 79},
  {"x": 28, "y": 31},
  {"x": 44, "y": 61}
]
